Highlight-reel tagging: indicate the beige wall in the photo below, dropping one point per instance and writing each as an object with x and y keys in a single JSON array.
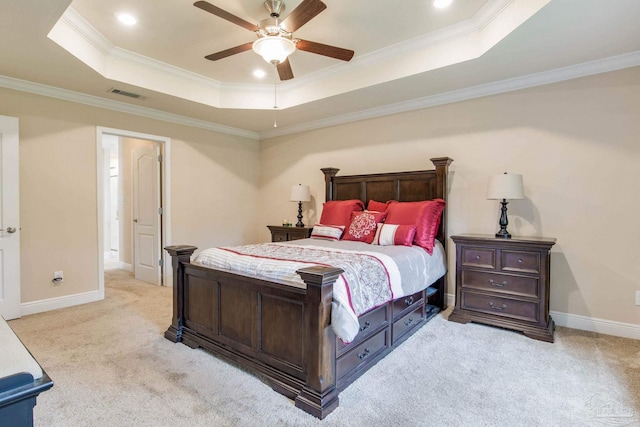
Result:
[
  {"x": 577, "y": 143},
  {"x": 213, "y": 183}
]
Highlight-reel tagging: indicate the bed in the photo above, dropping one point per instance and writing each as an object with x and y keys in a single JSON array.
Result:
[{"x": 284, "y": 333}]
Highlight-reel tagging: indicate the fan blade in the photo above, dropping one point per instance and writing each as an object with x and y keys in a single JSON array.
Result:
[
  {"x": 284, "y": 70},
  {"x": 302, "y": 14},
  {"x": 229, "y": 52},
  {"x": 208, "y": 7},
  {"x": 325, "y": 49}
]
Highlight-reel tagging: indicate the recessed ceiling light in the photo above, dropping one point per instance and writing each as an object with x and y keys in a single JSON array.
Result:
[
  {"x": 126, "y": 18},
  {"x": 441, "y": 4},
  {"x": 259, "y": 73}
]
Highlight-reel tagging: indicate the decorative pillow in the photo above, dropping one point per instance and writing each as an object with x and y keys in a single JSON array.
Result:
[
  {"x": 378, "y": 206},
  {"x": 424, "y": 215},
  {"x": 327, "y": 232},
  {"x": 363, "y": 226},
  {"x": 394, "y": 234},
  {"x": 338, "y": 212}
]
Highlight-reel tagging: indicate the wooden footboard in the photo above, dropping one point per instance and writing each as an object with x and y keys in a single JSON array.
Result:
[{"x": 276, "y": 331}]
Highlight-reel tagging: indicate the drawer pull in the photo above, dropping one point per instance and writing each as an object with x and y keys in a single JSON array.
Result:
[
  {"x": 495, "y": 307},
  {"x": 499, "y": 285},
  {"x": 366, "y": 326},
  {"x": 477, "y": 256},
  {"x": 520, "y": 261},
  {"x": 408, "y": 321},
  {"x": 409, "y": 300},
  {"x": 365, "y": 354}
]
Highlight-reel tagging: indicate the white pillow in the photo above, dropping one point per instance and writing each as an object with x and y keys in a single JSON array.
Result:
[{"x": 327, "y": 232}]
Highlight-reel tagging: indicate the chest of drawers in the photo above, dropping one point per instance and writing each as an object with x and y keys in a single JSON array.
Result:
[{"x": 504, "y": 282}]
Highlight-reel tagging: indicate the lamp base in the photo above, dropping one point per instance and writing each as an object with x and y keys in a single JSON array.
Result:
[
  {"x": 503, "y": 235},
  {"x": 300, "y": 223},
  {"x": 504, "y": 221}
]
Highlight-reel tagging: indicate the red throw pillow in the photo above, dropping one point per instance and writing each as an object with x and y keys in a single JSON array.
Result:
[
  {"x": 377, "y": 206},
  {"x": 363, "y": 226},
  {"x": 394, "y": 234},
  {"x": 424, "y": 215},
  {"x": 338, "y": 212}
]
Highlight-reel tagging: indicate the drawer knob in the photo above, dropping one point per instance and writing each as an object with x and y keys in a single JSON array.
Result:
[
  {"x": 499, "y": 285},
  {"x": 495, "y": 307},
  {"x": 408, "y": 301},
  {"x": 477, "y": 256},
  {"x": 365, "y": 354},
  {"x": 366, "y": 326},
  {"x": 520, "y": 261},
  {"x": 408, "y": 321}
]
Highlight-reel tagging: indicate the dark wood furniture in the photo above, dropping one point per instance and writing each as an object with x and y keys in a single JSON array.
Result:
[
  {"x": 285, "y": 234},
  {"x": 504, "y": 282},
  {"x": 284, "y": 333}
]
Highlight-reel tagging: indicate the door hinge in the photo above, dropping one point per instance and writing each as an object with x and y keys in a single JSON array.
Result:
[
  {"x": 160, "y": 158},
  {"x": 159, "y": 211},
  {"x": 160, "y": 263}
]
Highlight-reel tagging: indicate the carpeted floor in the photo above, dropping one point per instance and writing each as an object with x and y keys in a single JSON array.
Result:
[{"x": 112, "y": 367}]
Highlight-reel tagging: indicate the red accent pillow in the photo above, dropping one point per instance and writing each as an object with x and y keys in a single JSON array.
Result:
[
  {"x": 363, "y": 226},
  {"x": 394, "y": 234},
  {"x": 378, "y": 206},
  {"x": 338, "y": 212},
  {"x": 424, "y": 215}
]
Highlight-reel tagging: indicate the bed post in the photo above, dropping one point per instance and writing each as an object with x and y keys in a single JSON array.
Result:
[
  {"x": 329, "y": 173},
  {"x": 319, "y": 396},
  {"x": 442, "y": 169},
  {"x": 180, "y": 255}
]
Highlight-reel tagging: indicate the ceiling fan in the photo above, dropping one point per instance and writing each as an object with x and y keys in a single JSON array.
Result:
[{"x": 275, "y": 36}]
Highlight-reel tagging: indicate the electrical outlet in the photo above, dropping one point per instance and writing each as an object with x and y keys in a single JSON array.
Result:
[
  {"x": 637, "y": 297},
  {"x": 58, "y": 278}
]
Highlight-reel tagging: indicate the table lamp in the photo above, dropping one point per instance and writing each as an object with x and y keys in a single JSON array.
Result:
[
  {"x": 505, "y": 187},
  {"x": 300, "y": 193}
]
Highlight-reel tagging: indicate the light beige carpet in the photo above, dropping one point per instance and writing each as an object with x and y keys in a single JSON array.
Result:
[{"x": 112, "y": 367}]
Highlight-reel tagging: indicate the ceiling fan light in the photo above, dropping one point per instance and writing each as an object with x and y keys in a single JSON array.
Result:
[{"x": 274, "y": 49}]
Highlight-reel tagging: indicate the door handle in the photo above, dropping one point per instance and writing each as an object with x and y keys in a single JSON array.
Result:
[{"x": 9, "y": 230}]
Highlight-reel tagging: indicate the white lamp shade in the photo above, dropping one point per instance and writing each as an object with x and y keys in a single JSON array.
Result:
[
  {"x": 300, "y": 193},
  {"x": 505, "y": 186},
  {"x": 274, "y": 49}
]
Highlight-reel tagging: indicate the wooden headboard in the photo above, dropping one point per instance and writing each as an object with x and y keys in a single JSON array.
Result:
[{"x": 400, "y": 186}]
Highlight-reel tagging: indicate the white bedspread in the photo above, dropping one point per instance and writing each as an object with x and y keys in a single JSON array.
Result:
[{"x": 373, "y": 274}]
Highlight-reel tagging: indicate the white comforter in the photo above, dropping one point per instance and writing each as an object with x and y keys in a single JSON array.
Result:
[{"x": 373, "y": 274}]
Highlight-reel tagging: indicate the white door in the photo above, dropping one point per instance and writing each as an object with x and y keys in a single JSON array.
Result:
[
  {"x": 146, "y": 213},
  {"x": 9, "y": 220}
]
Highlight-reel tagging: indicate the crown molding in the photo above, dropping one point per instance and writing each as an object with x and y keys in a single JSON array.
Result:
[
  {"x": 605, "y": 65},
  {"x": 121, "y": 107}
]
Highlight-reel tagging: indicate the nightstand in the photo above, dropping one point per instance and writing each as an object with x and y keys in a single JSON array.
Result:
[
  {"x": 284, "y": 234},
  {"x": 504, "y": 282}
]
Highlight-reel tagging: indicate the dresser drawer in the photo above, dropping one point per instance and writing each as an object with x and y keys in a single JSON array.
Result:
[
  {"x": 369, "y": 323},
  {"x": 406, "y": 323},
  {"x": 362, "y": 353},
  {"x": 401, "y": 305},
  {"x": 278, "y": 237},
  {"x": 522, "y": 310},
  {"x": 478, "y": 257},
  {"x": 520, "y": 261},
  {"x": 501, "y": 283}
]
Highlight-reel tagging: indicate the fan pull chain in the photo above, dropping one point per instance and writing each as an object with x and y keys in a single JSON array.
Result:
[{"x": 275, "y": 95}]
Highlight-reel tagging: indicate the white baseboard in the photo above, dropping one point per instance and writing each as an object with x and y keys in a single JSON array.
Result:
[
  {"x": 592, "y": 324},
  {"x": 585, "y": 323},
  {"x": 40, "y": 306}
]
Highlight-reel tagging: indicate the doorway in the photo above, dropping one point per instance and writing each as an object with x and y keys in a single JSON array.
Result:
[{"x": 133, "y": 198}]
